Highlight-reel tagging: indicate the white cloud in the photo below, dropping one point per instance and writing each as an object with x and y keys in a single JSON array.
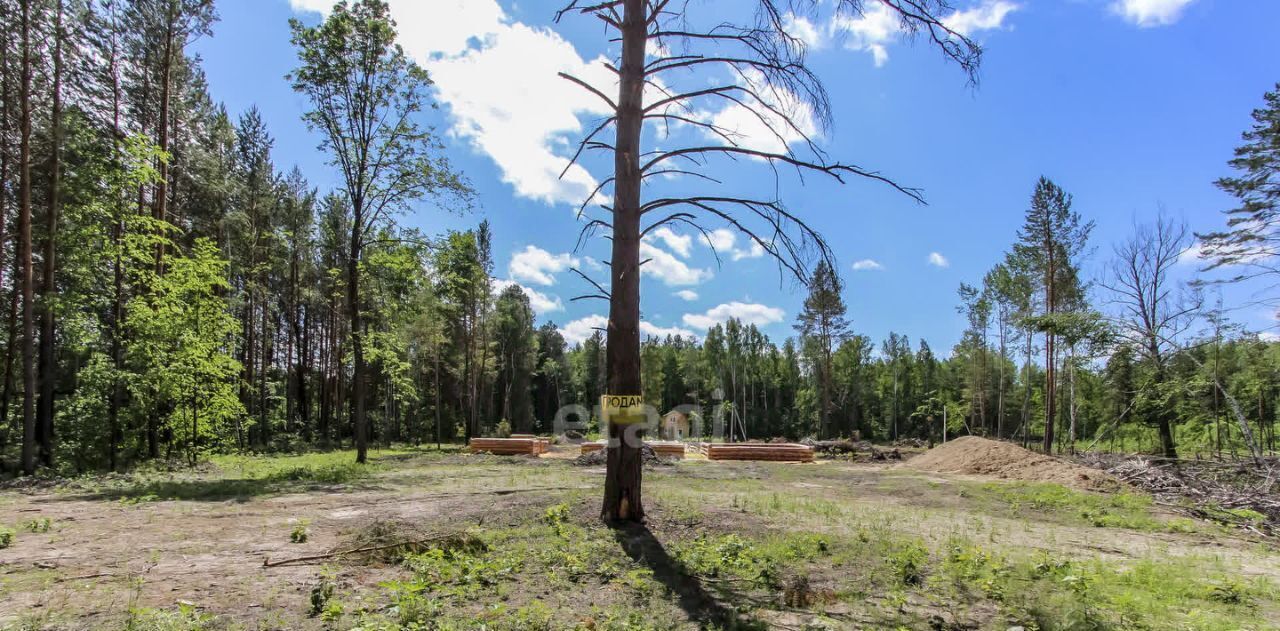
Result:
[
  {"x": 878, "y": 26},
  {"x": 687, "y": 295},
  {"x": 720, "y": 239},
  {"x": 869, "y": 32},
  {"x": 498, "y": 78},
  {"x": 938, "y": 260},
  {"x": 771, "y": 126},
  {"x": 665, "y": 267},
  {"x": 652, "y": 330},
  {"x": 315, "y": 6},
  {"x": 507, "y": 100},
  {"x": 747, "y": 313},
  {"x": 682, "y": 244},
  {"x": 536, "y": 265},
  {"x": 753, "y": 251},
  {"x": 985, "y": 17},
  {"x": 725, "y": 243},
  {"x": 801, "y": 28},
  {"x": 1193, "y": 255},
  {"x": 867, "y": 265},
  {"x": 1149, "y": 13},
  {"x": 1198, "y": 253},
  {"x": 540, "y": 302},
  {"x": 579, "y": 330}
]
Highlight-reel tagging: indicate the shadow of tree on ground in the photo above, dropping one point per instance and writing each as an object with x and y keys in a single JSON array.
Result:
[{"x": 644, "y": 548}]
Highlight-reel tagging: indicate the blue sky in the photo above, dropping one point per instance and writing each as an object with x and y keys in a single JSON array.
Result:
[{"x": 1130, "y": 105}]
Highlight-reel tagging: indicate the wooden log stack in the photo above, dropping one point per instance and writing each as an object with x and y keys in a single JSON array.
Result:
[
  {"x": 668, "y": 449},
  {"x": 771, "y": 452},
  {"x": 509, "y": 446}
]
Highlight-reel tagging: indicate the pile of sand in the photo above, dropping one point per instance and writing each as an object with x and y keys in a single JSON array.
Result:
[{"x": 979, "y": 456}]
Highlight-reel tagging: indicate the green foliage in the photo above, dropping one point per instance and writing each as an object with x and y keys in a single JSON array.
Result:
[
  {"x": 726, "y": 556},
  {"x": 185, "y": 618},
  {"x": 908, "y": 561},
  {"x": 182, "y": 347},
  {"x": 503, "y": 430},
  {"x": 1123, "y": 509},
  {"x": 6, "y": 537},
  {"x": 1251, "y": 225},
  {"x": 556, "y": 516},
  {"x": 38, "y": 525},
  {"x": 299, "y": 534},
  {"x": 321, "y": 596}
]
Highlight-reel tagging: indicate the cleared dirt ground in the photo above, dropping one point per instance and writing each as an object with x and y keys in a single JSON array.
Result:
[{"x": 725, "y": 545}]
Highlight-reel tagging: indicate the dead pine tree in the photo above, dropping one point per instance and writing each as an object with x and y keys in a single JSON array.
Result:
[{"x": 662, "y": 49}]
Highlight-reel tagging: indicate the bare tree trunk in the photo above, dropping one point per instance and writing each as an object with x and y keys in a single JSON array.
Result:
[
  {"x": 1050, "y": 368},
  {"x": 304, "y": 372},
  {"x": 437, "y": 393},
  {"x": 160, "y": 209},
  {"x": 1001, "y": 387},
  {"x": 116, "y": 399},
  {"x": 11, "y": 345},
  {"x": 1026, "y": 392},
  {"x": 1071, "y": 380},
  {"x": 326, "y": 398},
  {"x": 5, "y": 102},
  {"x": 264, "y": 347},
  {"x": 622, "y": 487},
  {"x": 357, "y": 337},
  {"x": 24, "y": 252},
  {"x": 48, "y": 288}
]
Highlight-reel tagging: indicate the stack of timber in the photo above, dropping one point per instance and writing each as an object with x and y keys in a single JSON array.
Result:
[
  {"x": 662, "y": 449},
  {"x": 509, "y": 446},
  {"x": 668, "y": 449},
  {"x": 775, "y": 452},
  {"x": 544, "y": 444}
]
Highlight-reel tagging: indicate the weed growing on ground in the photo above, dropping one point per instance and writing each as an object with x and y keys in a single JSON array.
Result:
[
  {"x": 299, "y": 533},
  {"x": 185, "y": 618},
  {"x": 38, "y": 525},
  {"x": 6, "y": 537}
]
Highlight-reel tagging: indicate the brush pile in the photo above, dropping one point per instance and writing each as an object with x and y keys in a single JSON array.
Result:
[
  {"x": 1241, "y": 494},
  {"x": 599, "y": 457}
]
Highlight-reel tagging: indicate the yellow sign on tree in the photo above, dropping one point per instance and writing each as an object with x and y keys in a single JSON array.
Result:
[{"x": 622, "y": 409}]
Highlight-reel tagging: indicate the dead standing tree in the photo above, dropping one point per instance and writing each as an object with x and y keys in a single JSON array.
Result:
[
  {"x": 771, "y": 83},
  {"x": 1152, "y": 316}
]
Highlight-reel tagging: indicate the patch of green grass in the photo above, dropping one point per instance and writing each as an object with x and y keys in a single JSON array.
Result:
[
  {"x": 38, "y": 525},
  {"x": 1146, "y": 594},
  {"x": 238, "y": 477},
  {"x": 1248, "y": 515},
  {"x": 185, "y": 618},
  {"x": 6, "y": 537},
  {"x": 534, "y": 574},
  {"x": 726, "y": 556},
  {"x": 1132, "y": 511}
]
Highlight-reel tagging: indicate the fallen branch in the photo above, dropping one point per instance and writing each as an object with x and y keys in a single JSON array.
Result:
[
  {"x": 86, "y": 577},
  {"x": 316, "y": 557}
]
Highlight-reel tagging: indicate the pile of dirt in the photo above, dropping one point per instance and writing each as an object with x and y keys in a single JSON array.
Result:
[{"x": 980, "y": 456}]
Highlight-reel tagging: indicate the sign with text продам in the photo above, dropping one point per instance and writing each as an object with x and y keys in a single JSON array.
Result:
[{"x": 622, "y": 409}]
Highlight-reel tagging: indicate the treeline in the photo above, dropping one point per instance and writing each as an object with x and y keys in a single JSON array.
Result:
[{"x": 167, "y": 289}]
